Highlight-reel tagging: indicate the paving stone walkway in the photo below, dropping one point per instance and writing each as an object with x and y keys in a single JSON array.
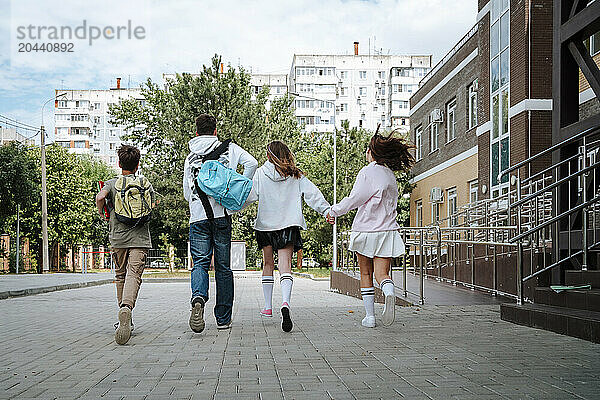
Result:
[{"x": 60, "y": 345}]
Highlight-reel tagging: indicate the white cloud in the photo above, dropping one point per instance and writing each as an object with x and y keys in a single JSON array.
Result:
[{"x": 183, "y": 35}]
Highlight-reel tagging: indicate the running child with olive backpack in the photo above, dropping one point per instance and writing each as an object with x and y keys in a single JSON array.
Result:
[{"x": 130, "y": 198}]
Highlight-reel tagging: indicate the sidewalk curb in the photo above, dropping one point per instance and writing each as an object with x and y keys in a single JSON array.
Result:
[
  {"x": 309, "y": 276},
  {"x": 167, "y": 280},
  {"x": 39, "y": 290}
]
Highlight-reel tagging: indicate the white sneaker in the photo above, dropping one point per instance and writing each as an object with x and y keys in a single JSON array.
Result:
[
  {"x": 369, "y": 321},
  {"x": 389, "y": 310}
]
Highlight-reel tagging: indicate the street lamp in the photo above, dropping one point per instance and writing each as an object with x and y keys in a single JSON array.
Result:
[
  {"x": 334, "y": 261},
  {"x": 45, "y": 261}
]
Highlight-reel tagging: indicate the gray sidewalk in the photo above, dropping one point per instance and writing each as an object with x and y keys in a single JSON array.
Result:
[
  {"x": 60, "y": 345},
  {"x": 30, "y": 284}
]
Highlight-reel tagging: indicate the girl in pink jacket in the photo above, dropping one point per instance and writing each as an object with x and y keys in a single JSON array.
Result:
[{"x": 375, "y": 237}]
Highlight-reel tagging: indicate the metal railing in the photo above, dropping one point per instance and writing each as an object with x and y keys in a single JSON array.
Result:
[
  {"x": 575, "y": 177},
  {"x": 520, "y": 223},
  {"x": 434, "y": 251}
]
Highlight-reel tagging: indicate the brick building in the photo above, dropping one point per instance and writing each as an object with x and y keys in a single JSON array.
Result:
[
  {"x": 504, "y": 65},
  {"x": 444, "y": 119}
]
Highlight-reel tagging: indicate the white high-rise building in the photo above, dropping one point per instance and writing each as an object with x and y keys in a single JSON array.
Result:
[
  {"x": 277, "y": 82},
  {"x": 82, "y": 122},
  {"x": 366, "y": 90}
]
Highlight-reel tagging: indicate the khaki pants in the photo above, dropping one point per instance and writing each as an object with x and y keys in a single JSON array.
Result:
[{"x": 128, "y": 273}]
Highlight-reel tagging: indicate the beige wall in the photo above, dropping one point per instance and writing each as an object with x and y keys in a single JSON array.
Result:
[{"x": 458, "y": 175}]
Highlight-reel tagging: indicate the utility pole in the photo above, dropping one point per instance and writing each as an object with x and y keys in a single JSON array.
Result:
[
  {"x": 45, "y": 263},
  {"x": 18, "y": 241}
]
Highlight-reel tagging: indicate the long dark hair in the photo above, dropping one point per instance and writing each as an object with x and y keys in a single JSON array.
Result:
[
  {"x": 281, "y": 156},
  {"x": 393, "y": 152}
]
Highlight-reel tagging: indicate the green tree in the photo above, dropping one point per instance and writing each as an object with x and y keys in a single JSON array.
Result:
[
  {"x": 19, "y": 186},
  {"x": 164, "y": 125},
  {"x": 71, "y": 188}
]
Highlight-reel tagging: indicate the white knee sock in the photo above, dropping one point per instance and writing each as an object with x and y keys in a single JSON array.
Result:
[
  {"x": 387, "y": 286},
  {"x": 368, "y": 297},
  {"x": 267, "y": 284},
  {"x": 287, "y": 282}
]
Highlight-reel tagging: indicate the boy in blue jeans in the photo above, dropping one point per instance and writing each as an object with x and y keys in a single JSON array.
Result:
[{"x": 210, "y": 223}]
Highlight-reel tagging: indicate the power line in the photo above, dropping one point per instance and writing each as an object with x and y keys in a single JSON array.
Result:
[
  {"x": 7, "y": 123},
  {"x": 18, "y": 122}
]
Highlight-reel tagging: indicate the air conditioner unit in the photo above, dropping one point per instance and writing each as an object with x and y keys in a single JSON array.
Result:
[
  {"x": 437, "y": 115},
  {"x": 436, "y": 195}
]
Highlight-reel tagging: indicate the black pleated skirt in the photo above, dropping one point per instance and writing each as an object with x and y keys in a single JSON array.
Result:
[{"x": 280, "y": 238}]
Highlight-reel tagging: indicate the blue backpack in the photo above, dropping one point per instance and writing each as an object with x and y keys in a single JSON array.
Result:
[{"x": 224, "y": 185}]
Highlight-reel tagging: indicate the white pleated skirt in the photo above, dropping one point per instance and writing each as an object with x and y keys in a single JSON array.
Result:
[{"x": 377, "y": 244}]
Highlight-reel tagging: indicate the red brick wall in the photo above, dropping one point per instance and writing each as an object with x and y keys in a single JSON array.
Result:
[
  {"x": 541, "y": 49},
  {"x": 519, "y": 53},
  {"x": 483, "y": 94}
]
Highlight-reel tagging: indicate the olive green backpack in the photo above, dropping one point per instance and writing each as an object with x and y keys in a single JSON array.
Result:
[{"x": 133, "y": 200}]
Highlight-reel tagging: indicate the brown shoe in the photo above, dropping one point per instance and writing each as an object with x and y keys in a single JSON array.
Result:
[{"x": 123, "y": 332}]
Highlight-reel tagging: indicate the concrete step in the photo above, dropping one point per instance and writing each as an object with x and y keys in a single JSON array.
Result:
[
  {"x": 577, "y": 299},
  {"x": 578, "y": 277},
  {"x": 582, "y": 324}
]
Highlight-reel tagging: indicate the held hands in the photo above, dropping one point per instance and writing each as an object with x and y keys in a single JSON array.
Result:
[{"x": 330, "y": 219}]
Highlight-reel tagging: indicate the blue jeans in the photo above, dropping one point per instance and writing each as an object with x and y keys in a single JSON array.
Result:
[{"x": 206, "y": 237}]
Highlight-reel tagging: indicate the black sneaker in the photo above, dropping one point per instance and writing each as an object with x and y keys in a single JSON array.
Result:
[
  {"x": 286, "y": 321},
  {"x": 197, "y": 316},
  {"x": 224, "y": 326}
]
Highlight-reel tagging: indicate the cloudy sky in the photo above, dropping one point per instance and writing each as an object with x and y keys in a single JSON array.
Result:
[{"x": 182, "y": 35}]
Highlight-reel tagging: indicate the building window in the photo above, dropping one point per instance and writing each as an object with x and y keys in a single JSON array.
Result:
[
  {"x": 362, "y": 74},
  {"x": 419, "y": 212},
  {"x": 381, "y": 74},
  {"x": 79, "y": 144},
  {"x": 473, "y": 188},
  {"x": 452, "y": 206},
  {"x": 343, "y": 74},
  {"x": 62, "y": 104},
  {"x": 433, "y": 136},
  {"x": 451, "y": 121},
  {"x": 343, "y": 107},
  {"x": 418, "y": 143},
  {"x": 499, "y": 89},
  {"x": 435, "y": 213},
  {"x": 362, "y": 91},
  {"x": 593, "y": 43},
  {"x": 472, "y": 106}
]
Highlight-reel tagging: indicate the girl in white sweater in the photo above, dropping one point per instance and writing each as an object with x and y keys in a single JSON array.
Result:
[{"x": 279, "y": 187}]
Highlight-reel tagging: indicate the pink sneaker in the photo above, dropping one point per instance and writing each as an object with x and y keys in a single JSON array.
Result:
[{"x": 267, "y": 312}]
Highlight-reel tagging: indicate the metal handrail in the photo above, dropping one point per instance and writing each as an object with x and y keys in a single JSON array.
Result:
[
  {"x": 555, "y": 184},
  {"x": 550, "y": 149},
  {"x": 554, "y": 219},
  {"x": 550, "y": 168}
]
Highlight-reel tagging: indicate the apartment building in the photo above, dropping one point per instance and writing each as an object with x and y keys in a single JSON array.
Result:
[
  {"x": 365, "y": 90},
  {"x": 9, "y": 134},
  {"x": 278, "y": 84},
  {"x": 82, "y": 122}
]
